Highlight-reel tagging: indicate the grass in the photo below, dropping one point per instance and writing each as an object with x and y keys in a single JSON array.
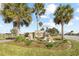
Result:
[{"x": 12, "y": 49}]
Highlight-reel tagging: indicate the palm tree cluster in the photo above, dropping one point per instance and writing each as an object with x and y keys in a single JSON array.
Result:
[{"x": 21, "y": 14}]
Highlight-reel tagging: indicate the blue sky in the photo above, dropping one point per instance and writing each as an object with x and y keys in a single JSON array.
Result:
[{"x": 47, "y": 19}]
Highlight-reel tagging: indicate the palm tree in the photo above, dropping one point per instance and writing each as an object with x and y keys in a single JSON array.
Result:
[
  {"x": 39, "y": 10},
  {"x": 63, "y": 15},
  {"x": 18, "y": 13},
  {"x": 41, "y": 24}
]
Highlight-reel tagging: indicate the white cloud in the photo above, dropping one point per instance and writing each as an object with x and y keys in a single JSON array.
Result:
[
  {"x": 76, "y": 17},
  {"x": 51, "y": 8},
  {"x": 70, "y": 24},
  {"x": 44, "y": 16},
  {"x": 0, "y": 25},
  {"x": 34, "y": 23},
  {"x": 77, "y": 10},
  {"x": 49, "y": 24}
]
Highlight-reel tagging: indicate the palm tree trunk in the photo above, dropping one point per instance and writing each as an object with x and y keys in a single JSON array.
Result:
[
  {"x": 37, "y": 22},
  {"x": 17, "y": 31},
  {"x": 16, "y": 25},
  {"x": 18, "y": 28},
  {"x": 62, "y": 35}
]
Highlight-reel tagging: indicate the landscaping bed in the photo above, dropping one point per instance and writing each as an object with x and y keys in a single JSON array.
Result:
[
  {"x": 14, "y": 49},
  {"x": 25, "y": 47}
]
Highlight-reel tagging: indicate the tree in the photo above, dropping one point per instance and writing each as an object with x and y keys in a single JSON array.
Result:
[
  {"x": 18, "y": 13},
  {"x": 63, "y": 15},
  {"x": 42, "y": 29},
  {"x": 53, "y": 31},
  {"x": 71, "y": 32},
  {"x": 26, "y": 34},
  {"x": 13, "y": 31},
  {"x": 39, "y": 10},
  {"x": 41, "y": 25}
]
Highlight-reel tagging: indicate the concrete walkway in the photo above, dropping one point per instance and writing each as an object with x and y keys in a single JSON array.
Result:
[{"x": 3, "y": 41}]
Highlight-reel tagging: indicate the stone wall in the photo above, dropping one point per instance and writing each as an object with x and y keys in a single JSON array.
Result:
[{"x": 39, "y": 34}]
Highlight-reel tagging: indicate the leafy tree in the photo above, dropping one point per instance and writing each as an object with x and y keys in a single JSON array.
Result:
[
  {"x": 63, "y": 15},
  {"x": 53, "y": 31}
]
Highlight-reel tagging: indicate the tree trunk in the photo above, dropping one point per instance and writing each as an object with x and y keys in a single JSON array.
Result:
[
  {"x": 16, "y": 30},
  {"x": 17, "y": 25},
  {"x": 62, "y": 35}
]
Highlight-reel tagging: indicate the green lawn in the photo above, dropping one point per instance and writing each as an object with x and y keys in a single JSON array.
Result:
[{"x": 11, "y": 49}]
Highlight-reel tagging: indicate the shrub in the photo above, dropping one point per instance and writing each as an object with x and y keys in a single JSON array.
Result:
[
  {"x": 20, "y": 38},
  {"x": 65, "y": 41},
  {"x": 23, "y": 39},
  {"x": 57, "y": 38},
  {"x": 26, "y": 34},
  {"x": 56, "y": 44},
  {"x": 49, "y": 45},
  {"x": 28, "y": 42}
]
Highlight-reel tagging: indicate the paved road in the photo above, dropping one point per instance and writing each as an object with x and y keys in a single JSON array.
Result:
[
  {"x": 72, "y": 37},
  {"x": 2, "y": 41}
]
